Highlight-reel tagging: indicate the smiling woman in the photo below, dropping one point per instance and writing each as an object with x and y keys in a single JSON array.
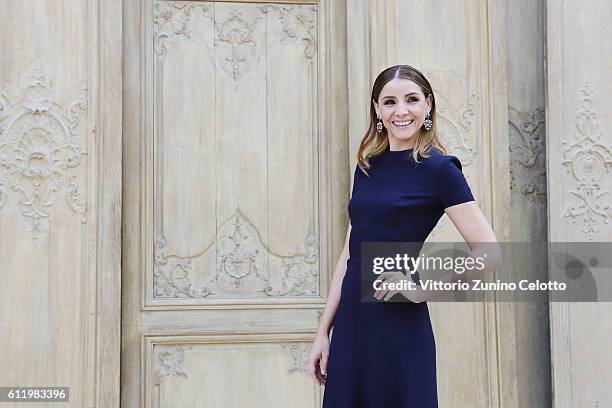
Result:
[
  {"x": 400, "y": 111},
  {"x": 383, "y": 354},
  {"x": 402, "y": 116}
]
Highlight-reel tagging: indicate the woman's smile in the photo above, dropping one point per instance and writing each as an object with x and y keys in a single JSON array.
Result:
[{"x": 403, "y": 124}]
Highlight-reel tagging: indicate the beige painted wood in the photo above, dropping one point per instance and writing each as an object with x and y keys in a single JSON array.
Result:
[
  {"x": 248, "y": 152},
  {"x": 579, "y": 144},
  {"x": 235, "y": 176},
  {"x": 526, "y": 132},
  {"x": 253, "y": 370},
  {"x": 462, "y": 52},
  {"x": 60, "y": 198}
]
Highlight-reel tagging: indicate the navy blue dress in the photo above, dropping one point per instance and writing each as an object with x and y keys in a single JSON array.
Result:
[{"x": 383, "y": 354}]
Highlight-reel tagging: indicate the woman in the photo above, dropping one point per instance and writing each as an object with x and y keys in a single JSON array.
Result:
[{"x": 382, "y": 354}]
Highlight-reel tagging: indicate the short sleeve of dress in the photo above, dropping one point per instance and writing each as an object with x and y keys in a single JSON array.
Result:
[
  {"x": 356, "y": 179},
  {"x": 452, "y": 187}
]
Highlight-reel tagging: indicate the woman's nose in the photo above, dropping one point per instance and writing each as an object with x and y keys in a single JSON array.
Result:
[{"x": 402, "y": 107}]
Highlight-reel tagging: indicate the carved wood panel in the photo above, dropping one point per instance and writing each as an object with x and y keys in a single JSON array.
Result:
[
  {"x": 40, "y": 152},
  {"x": 224, "y": 371},
  {"x": 60, "y": 198},
  {"x": 579, "y": 161},
  {"x": 231, "y": 202},
  {"x": 528, "y": 185},
  {"x": 236, "y": 136}
]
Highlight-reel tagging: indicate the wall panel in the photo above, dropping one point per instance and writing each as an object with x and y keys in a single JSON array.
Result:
[
  {"x": 579, "y": 158},
  {"x": 60, "y": 197},
  {"x": 526, "y": 135},
  {"x": 232, "y": 227}
]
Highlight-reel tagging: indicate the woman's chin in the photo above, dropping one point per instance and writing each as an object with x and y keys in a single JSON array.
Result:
[{"x": 401, "y": 138}]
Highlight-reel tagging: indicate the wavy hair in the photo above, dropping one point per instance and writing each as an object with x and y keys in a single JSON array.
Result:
[{"x": 374, "y": 143}]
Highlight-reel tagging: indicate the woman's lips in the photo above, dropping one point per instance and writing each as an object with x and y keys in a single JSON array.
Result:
[{"x": 402, "y": 124}]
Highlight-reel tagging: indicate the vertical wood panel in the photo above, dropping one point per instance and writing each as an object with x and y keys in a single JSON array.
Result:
[
  {"x": 240, "y": 220},
  {"x": 251, "y": 84},
  {"x": 186, "y": 148},
  {"x": 526, "y": 132},
  {"x": 579, "y": 58},
  {"x": 60, "y": 197}
]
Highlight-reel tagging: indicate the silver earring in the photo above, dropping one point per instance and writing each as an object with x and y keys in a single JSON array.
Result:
[
  {"x": 427, "y": 123},
  {"x": 379, "y": 125}
]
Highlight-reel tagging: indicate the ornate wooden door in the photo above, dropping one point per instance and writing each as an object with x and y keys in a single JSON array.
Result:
[{"x": 235, "y": 183}]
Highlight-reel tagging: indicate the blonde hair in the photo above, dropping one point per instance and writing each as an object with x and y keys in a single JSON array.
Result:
[{"x": 374, "y": 143}]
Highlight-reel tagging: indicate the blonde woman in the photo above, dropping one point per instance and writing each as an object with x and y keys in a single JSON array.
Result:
[{"x": 383, "y": 354}]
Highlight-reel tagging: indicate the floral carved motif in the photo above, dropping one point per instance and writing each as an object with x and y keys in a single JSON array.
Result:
[
  {"x": 172, "y": 22},
  {"x": 299, "y": 354},
  {"x": 527, "y": 154},
  {"x": 237, "y": 33},
  {"x": 39, "y": 152},
  {"x": 235, "y": 43},
  {"x": 169, "y": 362},
  {"x": 588, "y": 160},
  {"x": 456, "y": 107},
  {"x": 172, "y": 275},
  {"x": 244, "y": 265},
  {"x": 298, "y": 24},
  {"x": 454, "y": 129}
]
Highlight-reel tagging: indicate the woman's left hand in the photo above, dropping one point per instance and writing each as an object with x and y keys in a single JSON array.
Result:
[{"x": 414, "y": 295}]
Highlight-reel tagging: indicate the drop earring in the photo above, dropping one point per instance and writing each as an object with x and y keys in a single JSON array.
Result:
[
  {"x": 379, "y": 125},
  {"x": 427, "y": 123}
]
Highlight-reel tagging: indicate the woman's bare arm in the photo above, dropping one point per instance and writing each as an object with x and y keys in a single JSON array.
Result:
[
  {"x": 317, "y": 361},
  {"x": 478, "y": 234},
  {"x": 333, "y": 299}
]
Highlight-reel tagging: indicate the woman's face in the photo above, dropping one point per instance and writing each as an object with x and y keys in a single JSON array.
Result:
[{"x": 402, "y": 107}]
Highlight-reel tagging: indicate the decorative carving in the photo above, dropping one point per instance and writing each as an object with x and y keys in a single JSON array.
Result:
[
  {"x": 454, "y": 129},
  {"x": 237, "y": 32},
  {"x": 172, "y": 275},
  {"x": 299, "y": 25},
  {"x": 588, "y": 161},
  {"x": 239, "y": 252},
  {"x": 239, "y": 40},
  {"x": 454, "y": 121},
  {"x": 39, "y": 150},
  {"x": 299, "y": 354},
  {"x": 527, "y": 154},
  {"x": 172, "y": 22},
  {"x": 236, "y": 263},
  {"x": 169, "y": 362},
  {"x": 3, "y": 194},
  {"x": 244, "y": 265}
]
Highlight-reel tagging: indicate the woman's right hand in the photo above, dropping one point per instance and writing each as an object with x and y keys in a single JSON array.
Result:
[{"x": 317, "y": 361}]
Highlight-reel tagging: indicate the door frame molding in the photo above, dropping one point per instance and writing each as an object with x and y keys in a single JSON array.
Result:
[{"x": 106, "y": 86}]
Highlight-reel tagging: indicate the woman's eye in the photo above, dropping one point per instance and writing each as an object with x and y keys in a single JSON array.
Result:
[{"x": 389, "y": 102}]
